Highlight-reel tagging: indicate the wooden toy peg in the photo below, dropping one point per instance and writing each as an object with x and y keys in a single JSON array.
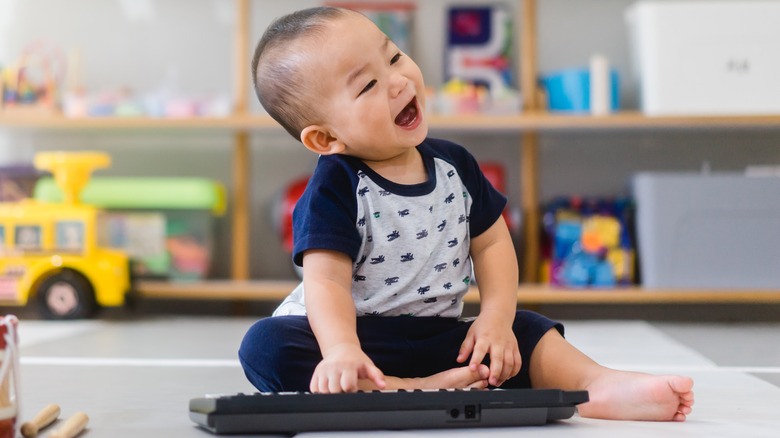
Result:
[
  {"x": 72, "y": 426},
  {"x": 41, "y": 420}
]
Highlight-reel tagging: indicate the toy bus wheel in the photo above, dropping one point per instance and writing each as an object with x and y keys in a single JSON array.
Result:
[{"x": 66, "y": 295}]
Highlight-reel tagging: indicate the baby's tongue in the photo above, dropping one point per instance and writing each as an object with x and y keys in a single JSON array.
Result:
[{"x": 408, "y": 115}]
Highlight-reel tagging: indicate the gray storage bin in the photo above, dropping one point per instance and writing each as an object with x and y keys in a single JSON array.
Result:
[{"x": 719, "y": 231}]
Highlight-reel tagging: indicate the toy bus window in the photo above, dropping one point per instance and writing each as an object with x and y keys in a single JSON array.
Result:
[
  {"x": 28, "y": 237},
  {"x": 70, "y": 235}
]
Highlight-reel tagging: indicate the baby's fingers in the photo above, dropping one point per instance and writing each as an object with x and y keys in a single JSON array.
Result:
[
  {"x": 314, "y": 385},
  {"x": 465, "y": 349},
  {"x": 478, "y": 355},
  {"x": 349, "y": 382},
  {"x": 512, "y": 362},
  {"x": 375, "y": 375},
  {"x": 518, "y": 360},
  {"x": 497, "y": 368},
  {"x": 322, "y": 383}
]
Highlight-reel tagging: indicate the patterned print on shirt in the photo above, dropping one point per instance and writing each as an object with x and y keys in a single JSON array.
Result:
[{"x": 377, "y": 260}]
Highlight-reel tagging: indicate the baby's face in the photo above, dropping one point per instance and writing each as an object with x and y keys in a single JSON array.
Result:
[{"x": 371, "y": 95}]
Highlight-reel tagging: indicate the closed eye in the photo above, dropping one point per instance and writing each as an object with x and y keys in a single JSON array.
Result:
[
  {"x": 395, "y": 58},
  {"x": 369, "y": 86}
]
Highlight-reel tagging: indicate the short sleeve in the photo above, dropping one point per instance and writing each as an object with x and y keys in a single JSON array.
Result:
[{"x": 325, "y": 215}]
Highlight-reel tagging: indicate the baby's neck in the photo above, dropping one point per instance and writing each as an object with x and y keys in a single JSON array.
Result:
[{"x": 404, "y": 169}]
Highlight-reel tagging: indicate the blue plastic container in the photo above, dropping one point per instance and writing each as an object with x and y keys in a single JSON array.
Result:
[{"x": 569, "y": 90}]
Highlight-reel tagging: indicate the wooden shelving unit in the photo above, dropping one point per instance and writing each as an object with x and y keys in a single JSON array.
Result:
[
  {"x": 528, "y": 125},
  {"x": 265, "y": 290},
  {"x": 527, "y": 121}
]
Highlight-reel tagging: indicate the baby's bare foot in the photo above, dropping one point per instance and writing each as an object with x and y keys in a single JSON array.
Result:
[
  {"x": 459, "y": 378},
  {"x": 621, "y": 395},
  {"x": 462, "y": 377}
]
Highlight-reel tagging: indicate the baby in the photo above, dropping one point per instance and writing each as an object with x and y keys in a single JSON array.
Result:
[{"x": 387, "y": 232}]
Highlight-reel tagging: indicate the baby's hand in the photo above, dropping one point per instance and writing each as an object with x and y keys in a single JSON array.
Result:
[
  {"x": 341, "y": 369},
  {"x": 490, "y": 334}
]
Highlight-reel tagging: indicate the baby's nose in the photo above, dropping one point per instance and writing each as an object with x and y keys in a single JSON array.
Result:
[{"x": 398, "y": 84}]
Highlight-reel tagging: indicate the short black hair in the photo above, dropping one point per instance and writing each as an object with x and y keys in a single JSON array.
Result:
[{"x": 276, "y": 73}]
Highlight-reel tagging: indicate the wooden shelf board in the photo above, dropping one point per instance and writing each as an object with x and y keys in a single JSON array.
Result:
[
  {"x": 268, "y": 290},
  {"x": 234, "y": 122},
  {"x": 527, "y": 121},
  {"x": 621, "y": 120}
]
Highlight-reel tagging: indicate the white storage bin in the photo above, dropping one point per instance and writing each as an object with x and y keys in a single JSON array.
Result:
[{"x": 707, "y": 57}]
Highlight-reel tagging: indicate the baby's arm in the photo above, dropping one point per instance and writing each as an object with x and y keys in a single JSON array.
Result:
[
  {"x": 327, "y": 280},
  {"x": 495, "y": 268}
]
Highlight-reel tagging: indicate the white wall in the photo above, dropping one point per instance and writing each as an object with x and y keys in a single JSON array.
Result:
[{"x": 124, "y": 43}]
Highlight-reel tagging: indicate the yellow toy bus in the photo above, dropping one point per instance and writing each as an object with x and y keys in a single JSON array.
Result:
[{"x": 49, "y": 251}]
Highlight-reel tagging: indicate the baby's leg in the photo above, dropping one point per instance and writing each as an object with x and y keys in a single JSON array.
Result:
[
  {"x": 280, "y": 354},
  {"x": 614, "y": 394}
]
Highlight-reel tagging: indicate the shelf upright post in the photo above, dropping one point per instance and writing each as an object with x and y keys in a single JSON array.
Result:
[
  {"x": 528, "y": 55},
  {"x": 529, "y": 142},
  {"x": 241, "y": 149}
]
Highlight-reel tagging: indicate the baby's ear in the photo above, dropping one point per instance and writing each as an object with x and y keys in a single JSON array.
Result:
[{"x": 318, "y": 139}]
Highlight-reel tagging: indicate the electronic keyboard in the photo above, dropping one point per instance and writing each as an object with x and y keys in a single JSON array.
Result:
[{"x": 293, "y": 412}]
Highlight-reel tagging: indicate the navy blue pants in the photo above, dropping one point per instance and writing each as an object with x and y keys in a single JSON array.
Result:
[{"x": 280, "y": 353}]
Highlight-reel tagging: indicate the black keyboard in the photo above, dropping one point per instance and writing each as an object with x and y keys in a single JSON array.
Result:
[{"x": 290, "y": 413}]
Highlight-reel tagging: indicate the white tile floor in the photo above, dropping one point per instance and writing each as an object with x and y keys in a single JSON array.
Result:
[{"x": 134, "y": 376}]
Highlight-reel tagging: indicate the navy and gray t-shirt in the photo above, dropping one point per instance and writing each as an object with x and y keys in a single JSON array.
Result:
[{"x": 409, "y": 243}]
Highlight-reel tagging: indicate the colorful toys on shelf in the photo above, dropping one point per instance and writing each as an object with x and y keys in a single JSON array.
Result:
[
  {"x": 479, "y": 45},
  {"x": 165, "y": 225},
  {"x": 478, "y": 63},
  {"x": 123, "y": 103},
  {"x": 589, "y": 243},
  {"x": 458, "y": 97},
  {"x": 49, "y": 251},
  {"x": 36, "y": 85},
  {"x": 581, "y": 91},
  {"x": 33, "y": 83}
]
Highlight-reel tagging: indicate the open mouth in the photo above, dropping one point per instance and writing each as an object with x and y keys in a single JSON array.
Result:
[{"x": 409, "y": 116}]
